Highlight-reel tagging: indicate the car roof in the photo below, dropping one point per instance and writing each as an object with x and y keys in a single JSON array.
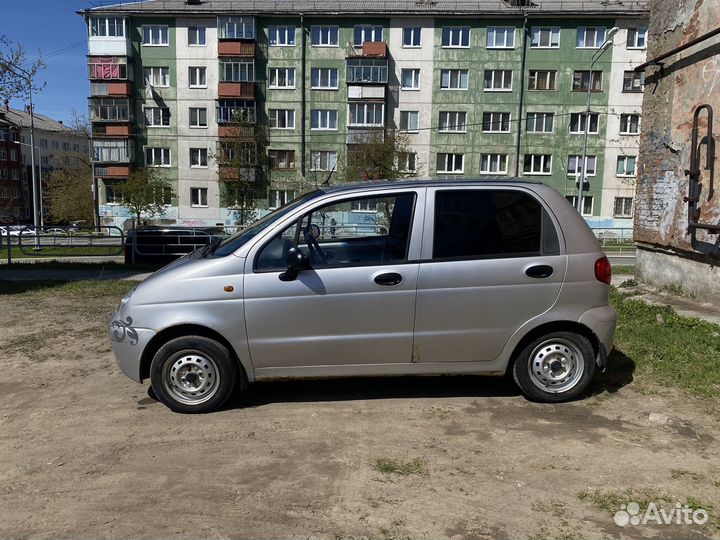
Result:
[{"x": 415, "y": 182}]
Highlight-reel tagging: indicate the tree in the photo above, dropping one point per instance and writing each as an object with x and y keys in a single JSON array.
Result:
[
  {"x": 145, "y": 193},
  {"x": 379, "y": 156},
  {"x": 15, "y": 80},
  {"x": 69, "y": 195}
]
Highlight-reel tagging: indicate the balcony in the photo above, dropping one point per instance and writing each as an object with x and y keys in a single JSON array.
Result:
[
  {"x": 366, "y": 92},
  {"x": 111, "y": 89},
  {"x": 233, "y": 174},
  {"x": 109, "y": 46},
  {"x": 365, "y": 135},
  {"x": 225, "y": 131},
  {"x": 112, "y": 130},
  {"x": 113, "y": 171},
  {"x": 120, "y": 151},
  {"x": 239, "y": 90},
  {"x": 369, "y": 49},
  {"x": 236, "y": 48},
  {"x": 367, "y": 70}
]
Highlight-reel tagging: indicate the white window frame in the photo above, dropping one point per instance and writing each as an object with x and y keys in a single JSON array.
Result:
[
  {"x": 413, "y": 30},
  {"x": 535, "y": 75},
  {"x": 241, "y": 70},
  {"x": 581, "y": 128},
  {"x": 324, "y": 118},
  {"x": 592, "y": 78},
  {"x": 503, "y": 76},
  {"x": 408, "y": 116},
  {"x": 279, "y": 197},
  {"x": 488, "y": 160},
  {"x": 157, "y": 72},
  {"x": 200, "y": 156},
  {"x": 576, "y": 158},
  {"x": 281, "y": 116},
  {"x": 493, "y": 122},
  {"x": 640, "y": 30},
  {"x": 451, "y": 159},
  {"x": 366, "y": 105},
  {"x": 624, "y": 159},
  {"x": 245, "y": 23},
  {"x": 506, "y": 31},
  {"x": 415, "y": 79},
  {"x": 451, "y": 122},
  {"x": 538, "y": 171},
  {"x": 406, "y": 163},
  {"x": 103, "y": 22},
  {"x": 460, "y": 73},
  {"x": 456, "y": 36},
  {"x": 195, "y": 72},
  {"x": 553, "y": 44},
  {"x": 201, "y": 201},
  {"x": 542, "y": 118},
  {"x": 328, "y": 72},
  {"x": 200, "y": 33},
  {"x": 274, "y": 77},
  {"x": 285, "y": 31},
  {"x": 626, "y": 123},
  {"x": 195, "y": 116},
  {"x": 582, "y": 31},
  {"x": 318, "y": 156},
  {"x": 325, "y": 35},
  {"x": 155, "y": 110},
  {"x": 573, "y": 201},
  {"x": 623, "y": 214},
  {"x": 163, "y": 154},
  {"x": 365, "y": 29},
  {"x": 159, "y": 35}
]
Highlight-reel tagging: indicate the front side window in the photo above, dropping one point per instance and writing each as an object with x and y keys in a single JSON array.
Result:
[
  {"x": 198, "y": 157},
  {"x": 411, "y": 36},
  {"x": 157, "y": 76},
  {"x": 197, "y": 36},
  {"x": 323, "y": 160},
  {"x": 157, "y": 157},
  {"x": 155, "y": 36},
  {"x": 281, "y": 36},
  {"x": 324, "y": 36},
  {"x": 545, "y": 38},
  {"x": 365, "y": 32},
  {"x": 633, "y": 81},
  {"x": 198, "y": 196},
  {"x": 410, "y": 79},
  {"x": 626, "y": 165},
  {"x": 496, "y": 122},
  {"x": 498, "y": 80},
  {"x": 450, "y": 163},
  {"x": 409, "y": 120},
  {"x": 590, "y": 38},
  {"x": 157, "y": 116},
  {"x": 452, "y": 122},
  {"x": 236, "y": 27},
  {"x": 281, "y": 118},
  {"x": 493, "y": 163},
  {"x": 282, "y": 78},
  {"x": 366, "y": 114},
  {"x": 324, "y": 78},
  {"x": 578, "y": 123},
  {"x": 198, "y": 117},
  {"x": 587, "y": 80},
  {"x": 537, "y": 164},
  {"x": 540, "y": 122},
  {"x": 478, "y": 224},
  {"x": 629, "y": 124},
  {"x": 198, "y": 77},
  {"x": 324, "y": 119},
  {"x": 542, "y": 80},
  {"x": 453, "y": 79},
  {"x": 500, "y": 37},
  {"x": 575, "y": 165},
  {"x": 455, "y": 36}
]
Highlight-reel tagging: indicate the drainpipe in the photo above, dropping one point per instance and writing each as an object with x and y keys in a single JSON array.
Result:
[
  {"x": 522, "y": 96},
  {"x": 302, "y": 101}
]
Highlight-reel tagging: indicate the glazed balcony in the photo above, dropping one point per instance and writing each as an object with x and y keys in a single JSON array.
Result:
[{"x": 362, "y": 70}]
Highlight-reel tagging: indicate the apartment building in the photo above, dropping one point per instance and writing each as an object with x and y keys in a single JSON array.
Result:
[{"x": 481, "y": 89}]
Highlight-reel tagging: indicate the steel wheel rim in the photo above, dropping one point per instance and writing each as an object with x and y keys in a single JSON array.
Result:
[
  {"x": 191, "y": 377},
  {"x": 556, "y": 365}
]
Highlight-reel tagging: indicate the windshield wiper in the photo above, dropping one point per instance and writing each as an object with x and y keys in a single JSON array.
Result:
[{"x": 211, "y": 247}]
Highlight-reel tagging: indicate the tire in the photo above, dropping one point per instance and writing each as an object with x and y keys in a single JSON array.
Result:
[
  {"x": 555, "y": 367},
  {"x": 193, "y": 374}
]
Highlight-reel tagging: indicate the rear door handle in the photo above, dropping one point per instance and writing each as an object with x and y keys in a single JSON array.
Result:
[
  {"x": 389, "y": 279},
  {"x": 539, "y": 271}
]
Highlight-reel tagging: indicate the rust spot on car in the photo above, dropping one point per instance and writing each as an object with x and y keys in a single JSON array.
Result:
[{"x": 415, "y": 355}]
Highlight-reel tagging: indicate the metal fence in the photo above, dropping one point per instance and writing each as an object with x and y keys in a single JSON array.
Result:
[
  {"x": 617, "y": 241},
  {"x": 54, "y": 241}
]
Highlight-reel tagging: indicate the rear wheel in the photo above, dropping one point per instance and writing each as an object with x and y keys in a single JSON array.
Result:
[
  {"x": 193, "y": 374},
  {"x": 555, "y": 367}
]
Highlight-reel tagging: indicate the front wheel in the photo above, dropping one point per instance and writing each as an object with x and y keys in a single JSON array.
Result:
[
  {"x": 193, "y": 374},
  {"x": 555, "y": 367}
]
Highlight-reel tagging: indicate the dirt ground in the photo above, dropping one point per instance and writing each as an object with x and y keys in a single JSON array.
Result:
[{"x": 86, "y": 453}]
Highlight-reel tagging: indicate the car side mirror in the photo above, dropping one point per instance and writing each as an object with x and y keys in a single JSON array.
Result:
[{"x": 296, "y": 261}]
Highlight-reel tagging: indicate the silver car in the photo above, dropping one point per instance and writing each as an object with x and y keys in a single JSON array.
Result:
[{"x": 386, "y": 278}]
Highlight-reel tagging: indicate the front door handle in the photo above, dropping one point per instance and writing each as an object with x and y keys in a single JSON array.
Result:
[
  {"x": 539, "y": 271},
  {"x": 389, "y": 279}
]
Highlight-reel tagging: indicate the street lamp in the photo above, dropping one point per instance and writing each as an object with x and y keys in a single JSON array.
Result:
[
  {"x": 39, "y": 187},
  {"x": 595, "y": 58}
]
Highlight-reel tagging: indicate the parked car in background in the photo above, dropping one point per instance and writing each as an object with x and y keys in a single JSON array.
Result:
[
  {"x": 437, "y": 277},
  {"x": 153, "y": 244}
]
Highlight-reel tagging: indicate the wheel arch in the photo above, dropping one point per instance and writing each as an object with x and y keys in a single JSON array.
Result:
[{"x": 181, "y": 330}]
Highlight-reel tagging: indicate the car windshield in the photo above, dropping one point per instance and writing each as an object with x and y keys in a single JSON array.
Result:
[{"x": 232, "y": 243}]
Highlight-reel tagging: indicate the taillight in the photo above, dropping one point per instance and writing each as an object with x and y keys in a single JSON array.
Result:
[{"x": 603, "y": 270}]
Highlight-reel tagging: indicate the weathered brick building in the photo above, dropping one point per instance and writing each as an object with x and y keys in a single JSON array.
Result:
[{"x": 679, "y": 240}]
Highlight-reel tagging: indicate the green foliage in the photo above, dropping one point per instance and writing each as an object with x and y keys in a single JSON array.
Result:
[
  {"x": 399, "y": 467},
  {"x": 69, "y": 194},
  {"x": 377, "y": 156},
  {"x": 145, "y": 194}
]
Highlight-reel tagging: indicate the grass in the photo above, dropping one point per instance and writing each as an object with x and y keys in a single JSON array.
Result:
[
  {"x": 68, "y": 289},
  {"x": 623, "y": 270},
  {"x": 611, "y": 501},
  {"x": 389, "y": 466},
  {"x": 682, "y": 473},
  {"x": 682, "y": 351},
  {"x": 62, "y": 251},
  {"x": 99, "y": 266}
]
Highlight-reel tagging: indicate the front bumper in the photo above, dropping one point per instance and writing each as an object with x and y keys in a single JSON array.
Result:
[{"x": 128, "y": 344}]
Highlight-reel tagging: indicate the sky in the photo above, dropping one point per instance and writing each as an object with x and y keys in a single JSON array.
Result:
[{"x": 51, "y": 28}]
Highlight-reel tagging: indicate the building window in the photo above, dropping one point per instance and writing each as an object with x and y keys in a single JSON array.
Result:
[
  {"x": 324, "y": 119},
  {"x": 540, "y": 122},
  {"x": 366, "y": 114},
  {"x": 409, "y": 121},
  {"x": 450, "y": 163},
  {"x": 43, "y": 143},
  {"x": 198, "y": 157},
  {"x": 198, "y": 77},
  {"x": 324, "y": 78},
  {"x": 281, "y": 118},
  {"x": 453, "y": 79},
  {"x": 587, "y": 206},
  {"x": 157, "y": 116},
  {"x": 545, "y": 38},
  {"x": 411, "y": 37},
  {"x": 155, "y": 36},
  {"x": 626, "y": 165},
  {"x": 242, "y": 111},
  {"x": 493, "y": 163},
  {"x": 453, "y": 122},
  {"x": 577, "y": 123},
  {"x": 363, "y": 205},
  {"x": 110, "y": 109},
  {"x": 542, "y": 80},
  {"x": 157, "y": 157},
  {"x": 500, "y": 37},
  {"x": 496, "y": 122},
  {"x": 158, "y": 77},
  {"x": 590, "y": 38},
  {"x": 196, "y": 36},
  {"x": 111, "y": 151},
  {"x": 323, "y": 160},
  {"x": 113, "y": 195},
  {"x": 633, "y": 81},
  {"x": 279, "y": 197},
  {"x": 55, "y": 145},
  {"x": 537, "y": 164},
  {"x": 498, "y": 80},
  {"x": 103, "y": 26},
  {"x": 107, "y": 68},
  {"x": 456, "y": 36},
  {"x": 407, "y": 162},
  {"x": 198, "y": 117},
  {"x": 282, "y": 78},
  {"x": 282, "y": 159},
  {"x": 629, "y": 124},
  {"x": 636, "y": 38},
  {"x": 13, "y": 157},
  {"x": 281, "y": 36},
  {"x": 236, "y": 70},
  {"x": 410, "y": 79},
  {"x": 324, "y": 36},
  {"x": 236, "y": 27},
  {"x": 198, "y": 196},
  {"x": 584, "y": 80},
  {"x": 367, "y": 70},
  {"x": 575, "y": 165},
  {"x": 366, "y": 32},
  {"x": 623, "y": 207}
]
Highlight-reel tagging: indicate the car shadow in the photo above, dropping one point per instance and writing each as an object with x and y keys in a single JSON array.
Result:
[{"x": 618, "y": 374}]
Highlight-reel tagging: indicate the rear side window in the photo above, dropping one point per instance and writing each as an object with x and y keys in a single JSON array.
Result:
[{"x": 491, "y": 224}]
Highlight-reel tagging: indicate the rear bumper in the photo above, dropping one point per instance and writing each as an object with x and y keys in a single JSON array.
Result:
[{"x": 602, "y": 321}]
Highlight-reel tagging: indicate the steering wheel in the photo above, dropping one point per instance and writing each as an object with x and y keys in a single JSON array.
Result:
[{"x": 310, "y": 232}]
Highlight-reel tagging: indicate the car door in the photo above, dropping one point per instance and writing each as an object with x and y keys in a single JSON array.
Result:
[
  {"x": 354, "y": 307},
  {"x": 491, "y": 261}
]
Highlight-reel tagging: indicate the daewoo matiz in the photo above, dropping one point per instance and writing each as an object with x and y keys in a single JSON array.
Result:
[{"x": 387, "y": 278}]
